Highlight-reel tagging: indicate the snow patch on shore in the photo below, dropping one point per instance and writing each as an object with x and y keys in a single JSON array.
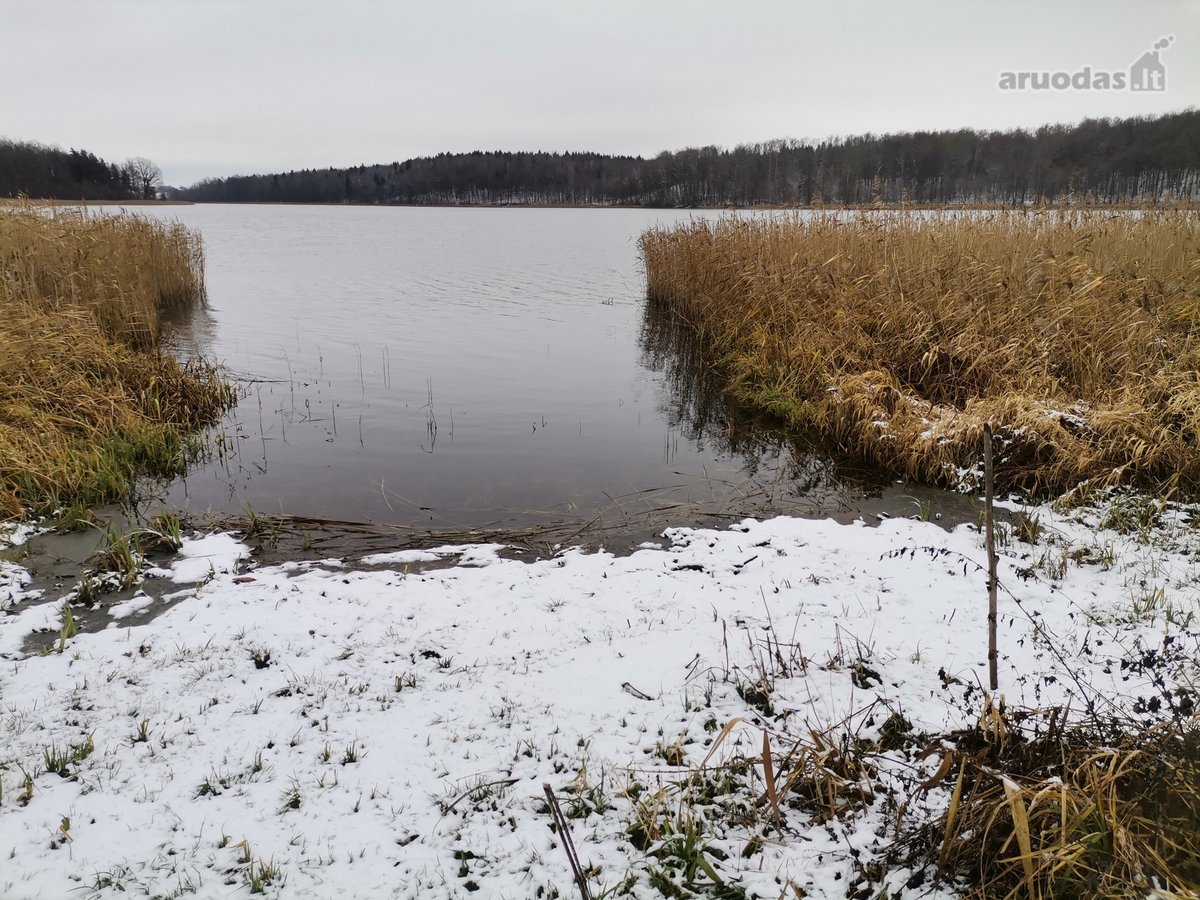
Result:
[{"x": 386, "y": 733}]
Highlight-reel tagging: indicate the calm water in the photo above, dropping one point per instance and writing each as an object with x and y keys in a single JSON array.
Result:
[{"x": 463, "y": 368}]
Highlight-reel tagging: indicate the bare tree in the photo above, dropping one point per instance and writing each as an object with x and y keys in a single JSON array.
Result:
[{"x": 145, "y": 178}]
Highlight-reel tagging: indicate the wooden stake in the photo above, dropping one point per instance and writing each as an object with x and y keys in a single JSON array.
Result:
[
  {"x": 564, "y": 833},
  {"x": 990, "y": 544}
]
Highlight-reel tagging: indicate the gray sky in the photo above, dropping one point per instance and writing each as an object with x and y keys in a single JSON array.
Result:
[{"x": 218, "y": 87}]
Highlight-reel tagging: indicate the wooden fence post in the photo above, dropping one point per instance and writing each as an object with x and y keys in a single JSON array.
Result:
[{"x": 990, "y": 544}]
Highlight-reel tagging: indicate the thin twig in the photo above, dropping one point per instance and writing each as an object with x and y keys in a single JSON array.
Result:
[
  {"x": 502, "y": 782},
  {"x": 992, "y": 559},
  {"x": 564, "y": 832}
]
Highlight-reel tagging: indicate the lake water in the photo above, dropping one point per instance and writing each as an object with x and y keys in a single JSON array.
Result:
[{"x": 464, "y": 368}]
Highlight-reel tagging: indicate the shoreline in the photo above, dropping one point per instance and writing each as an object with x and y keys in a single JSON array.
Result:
[
  {"x": 56, "y": 201},
  {"x": 871, "y": 207}
]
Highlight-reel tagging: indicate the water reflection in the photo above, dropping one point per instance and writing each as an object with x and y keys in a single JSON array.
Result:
[
  {"x": 791, "y": 472},
  {"x": 459, "y": 368},
  {"x": 694, "y": 404},
  {"x": 189, "y": 331}
]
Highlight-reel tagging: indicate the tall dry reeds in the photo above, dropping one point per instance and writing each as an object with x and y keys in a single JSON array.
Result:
[
  {"x": 86, "y": 400},
  {"x": 1070, "y": 814},
  {"x": 898, "y": 335},
  {"x": 123, "y": 270}
]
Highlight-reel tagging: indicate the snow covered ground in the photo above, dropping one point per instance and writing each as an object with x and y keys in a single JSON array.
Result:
[{"x": 318, "y": 730}]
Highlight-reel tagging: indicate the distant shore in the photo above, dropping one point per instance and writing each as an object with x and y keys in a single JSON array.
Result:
[
  {"x": 764, "y": 207},
  {"x": 50, "y": 201}
]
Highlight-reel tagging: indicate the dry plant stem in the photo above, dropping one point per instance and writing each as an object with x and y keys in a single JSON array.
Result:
[
  {"x": 992, "y": 560},
  {"x": 501, "y": 782},
  {"x": 769, "y": 778},
  {"x": 564, "y": 832}
]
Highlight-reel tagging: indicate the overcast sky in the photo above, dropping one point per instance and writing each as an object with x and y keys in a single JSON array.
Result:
[{"x": 218, "y": 87}]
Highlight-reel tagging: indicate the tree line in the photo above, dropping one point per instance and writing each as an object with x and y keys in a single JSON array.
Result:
[
  {"x": 1153, "y": 158},
  {"x": 51, "y": 173}
]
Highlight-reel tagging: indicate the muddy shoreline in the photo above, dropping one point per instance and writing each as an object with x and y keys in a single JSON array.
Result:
[{"x": 57, "y": 563}]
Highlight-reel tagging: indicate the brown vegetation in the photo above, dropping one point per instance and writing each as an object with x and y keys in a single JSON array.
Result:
[
  {"x": 897, "y": 336},
  {"x": 87, "y": 401},
  {"x": 1072, "y": 813}
]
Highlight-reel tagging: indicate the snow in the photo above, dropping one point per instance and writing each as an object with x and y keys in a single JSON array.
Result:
[
  {"x": 16, "y": 533},
  {"x": 386, "y": 732},
  {"x": 16, "y": 623},
  {"x": 136, "y": 604},
  {"x": 468, "y": 555},
  {"x": 14, "y": 580},
  {"x": 207, "y": 557},
  {"x": 14, "y": 583},
  {"x": 401, "y": 558}
]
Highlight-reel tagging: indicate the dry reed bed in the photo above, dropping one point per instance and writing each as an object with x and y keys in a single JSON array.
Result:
[
  {"x": 86, "y": 399},
  {"x": 898, "y": 335},
  {"x": 1070, "y": 813}
]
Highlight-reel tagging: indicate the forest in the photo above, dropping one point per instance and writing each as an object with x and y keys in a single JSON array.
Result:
[
  {"x": 51, "y": 173},
  {"x": 1154, "y": 159}
]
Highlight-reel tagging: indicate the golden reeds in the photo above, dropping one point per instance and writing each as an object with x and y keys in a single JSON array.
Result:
[
  {"x": 122, "y": 270},
  {"x": 898, "y": 335},
  {"x": 1072, "y": 815},
  {"x": 86, "y": 400}
]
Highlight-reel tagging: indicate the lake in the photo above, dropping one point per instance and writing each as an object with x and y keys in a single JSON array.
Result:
[{"x": 467, "y": 368}]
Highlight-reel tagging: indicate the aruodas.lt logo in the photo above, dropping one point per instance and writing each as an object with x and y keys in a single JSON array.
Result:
[{"x": 1147, "y": 74}]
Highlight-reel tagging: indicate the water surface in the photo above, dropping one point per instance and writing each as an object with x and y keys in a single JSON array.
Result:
[{"x": 461, "y": 368}]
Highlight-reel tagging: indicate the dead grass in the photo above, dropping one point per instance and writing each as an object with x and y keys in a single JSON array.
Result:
[
  {"x": 897, "y": 336},
  {"x": 1024, "y": 804},
  {"x": 86, "y": 400},
  {"x": 122, "y": 270},
  {"x": 1073, "y": 814}
]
